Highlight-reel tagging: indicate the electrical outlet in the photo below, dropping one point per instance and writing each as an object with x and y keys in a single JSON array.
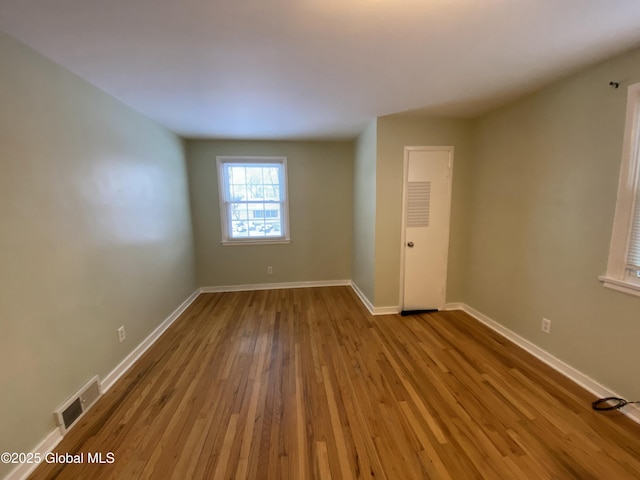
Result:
[
  {"x": 269, "y": 270},
  {"x": 546, "y": 325},
  {"x": 121, "y": 334}
]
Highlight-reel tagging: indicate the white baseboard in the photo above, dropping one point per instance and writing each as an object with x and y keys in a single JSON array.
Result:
[
  {"x": 391, "y": 310},
  {"x": 130, "y": 359},
  {"x": 374, "y": 310},
  {"x": 586, "y": 382},
  {"x": 323, "y": 283},
  {"x": 363, "y": 298},
  {"x": 275, "y": 286},
  {"x": 23, "y": 470},
  {"x": 51, "y": 441}
]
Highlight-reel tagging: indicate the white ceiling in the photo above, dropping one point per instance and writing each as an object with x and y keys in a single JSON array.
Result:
[{"x": 272, "y": 69}]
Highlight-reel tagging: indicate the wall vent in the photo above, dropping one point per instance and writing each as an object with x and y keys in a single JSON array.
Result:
[
  {"x": 418, "y": 202},
  {"x": 76, "y": 406}
]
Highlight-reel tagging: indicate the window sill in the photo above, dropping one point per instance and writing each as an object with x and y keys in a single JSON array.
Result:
[
  {"x": 621, "y": 285},
  {"x": 275, "y": 241}
]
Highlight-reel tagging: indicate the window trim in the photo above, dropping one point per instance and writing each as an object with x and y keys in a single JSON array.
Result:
[
  {"x": 617, "y": 276},
  {"x": 285, "y": 238}
]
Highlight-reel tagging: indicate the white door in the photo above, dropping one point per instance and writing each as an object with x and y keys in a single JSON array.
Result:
[{"x": 425, "y": 220}]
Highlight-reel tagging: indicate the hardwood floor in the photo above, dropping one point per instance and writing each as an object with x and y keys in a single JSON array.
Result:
[{"x": 305, "y": 384}]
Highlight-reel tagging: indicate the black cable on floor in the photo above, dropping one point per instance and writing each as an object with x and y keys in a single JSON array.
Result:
[{"x": 610, "y": 403}]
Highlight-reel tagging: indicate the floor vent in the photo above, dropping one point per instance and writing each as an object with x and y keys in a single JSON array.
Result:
[{"x": 71, "y": 411}]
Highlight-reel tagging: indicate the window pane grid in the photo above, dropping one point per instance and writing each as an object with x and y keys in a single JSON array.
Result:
[
  {"x": 633, "y": 253},
  {"x": 633, "y": 248},
  {"x": 253, "y": 199},
  {"x": 623, "y": 266},
  {"x": 254, "y": 219}
]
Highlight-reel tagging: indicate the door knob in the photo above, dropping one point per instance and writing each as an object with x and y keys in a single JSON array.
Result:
[{"x": 410, "y": 244}]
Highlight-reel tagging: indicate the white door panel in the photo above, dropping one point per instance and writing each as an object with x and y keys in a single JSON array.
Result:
[{"x": 426, "y": 209}]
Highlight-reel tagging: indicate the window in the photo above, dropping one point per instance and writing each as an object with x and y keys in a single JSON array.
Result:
[
  {"x": 623, "y": 268},
  {"x": 253, "y": 200}
]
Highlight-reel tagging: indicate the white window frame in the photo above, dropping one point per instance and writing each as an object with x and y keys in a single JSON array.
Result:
[
  {"x": 618, "y": 276},
  {"x": 224, "y": 202}
]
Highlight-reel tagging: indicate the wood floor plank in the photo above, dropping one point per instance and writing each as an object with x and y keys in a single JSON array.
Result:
[{"x": 305, "y": 384}]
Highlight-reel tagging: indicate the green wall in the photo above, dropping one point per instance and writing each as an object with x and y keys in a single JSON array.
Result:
[
  {"x": 542, "y": 202},
  {"x": 320, "y": 178},
  {"x": 394, "y": 133},
  {"x": 96, "y": 233},
  {"x": 364, "y": 212}
]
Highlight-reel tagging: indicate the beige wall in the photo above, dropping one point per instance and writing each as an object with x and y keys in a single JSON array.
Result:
[
  {"x": 394, "y": 133},
  {"x": 320, "y": 178},
  {"x": 543, "y": 198},
  {"x": 95, "y": 233},
  {"x": 364, "y": 212},
  {"x": 96, "y": 230}
]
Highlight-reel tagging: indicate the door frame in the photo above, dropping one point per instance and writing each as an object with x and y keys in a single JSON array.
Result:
[{"x": 405, "y": 173}]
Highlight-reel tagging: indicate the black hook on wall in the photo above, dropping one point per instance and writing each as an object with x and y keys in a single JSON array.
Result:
[{"x": 614, "y": 84}]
